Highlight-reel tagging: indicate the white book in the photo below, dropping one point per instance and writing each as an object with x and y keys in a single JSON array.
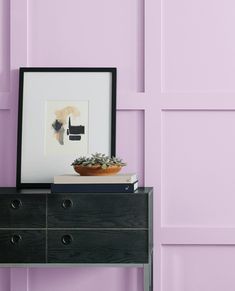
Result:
[{"x": 113, "y": 179}]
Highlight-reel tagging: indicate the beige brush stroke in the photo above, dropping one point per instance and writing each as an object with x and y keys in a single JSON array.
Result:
[{"x": 62, "y": 114}]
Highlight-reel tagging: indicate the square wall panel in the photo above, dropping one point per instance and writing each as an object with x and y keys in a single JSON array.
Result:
[
  {"x": 88, "y": 33},
  {"x": 198, "y": 268},
  {"x": 198, "y": 45},
  {"x": 198, "y": 168}
]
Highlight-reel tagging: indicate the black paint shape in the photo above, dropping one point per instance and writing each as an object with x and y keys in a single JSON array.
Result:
[
  {"x": 74, "y": 137},
  {"x": 75, "y": 129},
  {"x": 57, "y": 125}
]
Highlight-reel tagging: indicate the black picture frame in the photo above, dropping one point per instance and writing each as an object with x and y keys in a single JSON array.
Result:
[{"x": 113, "y": 71}]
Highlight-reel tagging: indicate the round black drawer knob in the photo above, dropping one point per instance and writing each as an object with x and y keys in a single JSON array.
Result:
[
  {"x": 67, "y": 203},
  {"x": 67, "y": 239},
  {"x": 15, "y": 239},
  {"x": 15, "y": 204}
]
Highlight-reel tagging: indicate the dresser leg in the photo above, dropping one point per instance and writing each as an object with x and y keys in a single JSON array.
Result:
[
  {"x": 151, "y": 272},
  {"x": 148, "y": 275}
]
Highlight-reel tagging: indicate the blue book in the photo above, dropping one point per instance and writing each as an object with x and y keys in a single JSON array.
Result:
[{"x": 94, "y": 188}]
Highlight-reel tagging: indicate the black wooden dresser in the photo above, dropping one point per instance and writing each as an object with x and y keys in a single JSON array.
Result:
[{"x": 111, "y": 229}]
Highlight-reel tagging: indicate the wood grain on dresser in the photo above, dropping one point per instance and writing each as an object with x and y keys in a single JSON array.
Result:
[
  {"x": 100, "y": 246},
  {"x": 40, "y": 228},
  {"x": 95, "y": 228},
  {"x": 23, "y": 211},
  {"x": 22, "y": 246},
  {"x": 98, "y": 210}
]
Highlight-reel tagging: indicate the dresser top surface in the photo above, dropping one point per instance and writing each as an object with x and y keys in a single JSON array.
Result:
[{"x": 13, "y": 190}]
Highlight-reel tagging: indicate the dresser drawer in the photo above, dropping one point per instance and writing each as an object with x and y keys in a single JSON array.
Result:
[
  {"x": 98, "y": 210},
  {"x": 25, "y": 211},
  {"x": 22, "y": 246},
  {"x": 97, "y": 246}
]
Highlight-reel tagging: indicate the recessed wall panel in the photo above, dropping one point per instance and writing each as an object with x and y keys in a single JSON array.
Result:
[
  {"x": 130, "y": 141},
  {"x": 89, "y": 34},
  {"x": 74, "y": 279},
  {"x": 194, "y": 268},
  {"x": 198, "y": 45},
  {"x": 198, "y": 168},
  {"x": 4, "y": 46}
]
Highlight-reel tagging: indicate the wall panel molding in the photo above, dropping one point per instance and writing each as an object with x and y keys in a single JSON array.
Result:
[{"x": 198, "y": 235}]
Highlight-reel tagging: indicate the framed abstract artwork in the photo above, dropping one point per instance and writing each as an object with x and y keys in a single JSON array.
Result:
[{"x": 63, "y": 113}]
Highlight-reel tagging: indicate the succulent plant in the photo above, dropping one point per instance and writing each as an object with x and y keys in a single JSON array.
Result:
[{"x": 98, "y": 159}]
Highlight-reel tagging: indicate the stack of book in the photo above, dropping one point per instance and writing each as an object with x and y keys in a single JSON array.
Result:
[{"x": 126, "y": 183}]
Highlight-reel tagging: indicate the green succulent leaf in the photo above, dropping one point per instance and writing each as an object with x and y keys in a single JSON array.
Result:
[{"x": 98, "y": 159}]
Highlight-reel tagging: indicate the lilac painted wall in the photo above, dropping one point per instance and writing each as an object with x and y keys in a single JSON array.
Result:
[
  {"x": 175, "y": 124},
  {"x": 73, "y": 33}
]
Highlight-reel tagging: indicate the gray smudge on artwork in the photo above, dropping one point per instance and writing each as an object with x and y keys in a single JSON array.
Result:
[{"x": 59, "y": 131}]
